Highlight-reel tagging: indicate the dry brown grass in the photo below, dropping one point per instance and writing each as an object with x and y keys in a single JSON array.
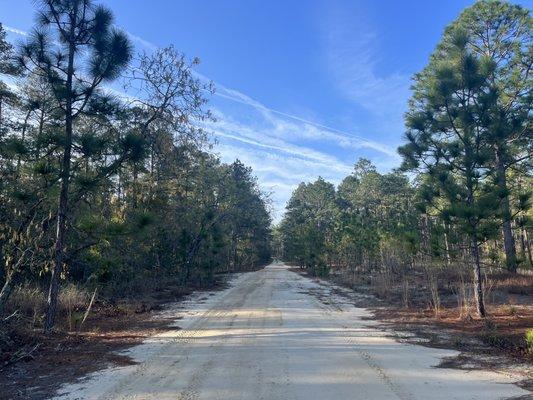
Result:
[
  {"x": 509, "y": 300},
  {"x": 513, "y": 283},
  {"x": 28, "y": 301},
  {"x": 73, "y": 301}
]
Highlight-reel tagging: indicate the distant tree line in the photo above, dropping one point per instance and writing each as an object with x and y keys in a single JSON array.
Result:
[
  {"x": 466, "y": 199},
  {"x": 110, "y": 190}
]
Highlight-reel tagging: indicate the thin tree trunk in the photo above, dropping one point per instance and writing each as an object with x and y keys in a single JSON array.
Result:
[
  {"x": 134, "y": 187},
  {"x": 9, "y": 284},
  {"x": 40, "y": 133},
  {"x": 508, "y": 238},
  {"x": 59, "y": 248},
  {"x": 527, "y": 246},
  {"x": 474, "y": 251},
  {"x": 522, "y": 243},
  {"x": 23, "y": 138},
  {"x": 447, "y": 246},
  {"x": 235, "y": 254},
  {"x": 480, "y": 301}
]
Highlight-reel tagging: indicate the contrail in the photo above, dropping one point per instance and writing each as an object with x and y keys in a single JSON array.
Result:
[{"x": 236, "y": 96}]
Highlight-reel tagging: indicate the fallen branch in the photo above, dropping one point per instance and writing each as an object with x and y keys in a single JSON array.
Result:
[
  {"x": 88, "y": 308},
  {"x": 21, "y": 354},
  {"x": 6, "y": 319}
]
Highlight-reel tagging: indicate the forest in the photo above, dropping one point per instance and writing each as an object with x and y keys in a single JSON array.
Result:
[
  {"x": 114, "y": 193},
  {"x": 457, "y": 213},
  {"x": 123, "y": 226}
]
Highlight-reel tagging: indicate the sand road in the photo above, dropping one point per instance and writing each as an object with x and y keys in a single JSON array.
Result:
[{"x": 269, "y": 337}]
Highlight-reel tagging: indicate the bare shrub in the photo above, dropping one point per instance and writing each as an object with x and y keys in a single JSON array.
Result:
[
  {"x": 73, "y": 301},
  {"x": 405, "y": 291},
  {"x": 28, "y": 300},
  {"x": 459, "y": 277},
  {"x": 463, "y": 300},
  {"x": 432, "y": 279},
  {"x": 488, "y": 286},
  {"x": 381, "y": 283},
  {"x": 513, "y": 283}
]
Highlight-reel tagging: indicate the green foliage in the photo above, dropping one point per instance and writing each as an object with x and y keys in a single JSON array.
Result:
[
  {"x": 468, "y": 148},
  {"x": 529, "y": 340},
  {"x": 147, "y": 202},
  {"x": 308, "y": 227},
  {"x": 353, "y": 224},
  {"x": 7, "y": 61},
  {"x": 466, "y": 117}
]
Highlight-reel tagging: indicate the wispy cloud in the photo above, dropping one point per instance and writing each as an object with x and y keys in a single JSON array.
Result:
[
  {"x": 134, "y": 38},
  {"x": 351, "y": 48},
  {"x": 260, "y": 136},
  {"x": 279, "y": 174},
  {"x": 312, "y": 130},
  {"x": 139, "y": 40},
  {"x": 283, "y": 149},
  {"x": 15, "y": 31}
]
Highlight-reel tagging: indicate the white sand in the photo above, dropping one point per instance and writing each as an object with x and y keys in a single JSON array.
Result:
[{"x": 266, "y": 338}]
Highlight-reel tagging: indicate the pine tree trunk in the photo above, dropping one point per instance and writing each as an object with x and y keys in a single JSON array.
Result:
[
  {"x": 23, "y": 138},
  {"x": 40, "y": 133},
  {"x": 447, "y": 246},
  {"x": 474, "y": 251},
  {"x": 59, "y": 248},
  {"x": 480, "y": 301},
  {"x": 508, "y": 238},
  {"x": 60, "y": 232},
  {"x": 527, "y": 246}
]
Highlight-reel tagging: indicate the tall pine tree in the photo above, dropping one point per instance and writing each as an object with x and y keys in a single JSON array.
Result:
[
  {"x": 75, "y": 48},
  {"x": 445, "y": 141},
  {"x": 500, "y": 34}
]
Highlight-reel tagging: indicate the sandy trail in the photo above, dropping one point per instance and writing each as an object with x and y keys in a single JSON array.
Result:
[{"x": 267, "y": 338}]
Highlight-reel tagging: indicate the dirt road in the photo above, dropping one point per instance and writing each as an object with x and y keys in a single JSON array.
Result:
[{"x": 269, "y": 336}]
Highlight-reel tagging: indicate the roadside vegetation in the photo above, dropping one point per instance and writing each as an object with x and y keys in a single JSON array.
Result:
[
  {"x": 109, "y": 196},
  {"x": 447, "y": 236}
]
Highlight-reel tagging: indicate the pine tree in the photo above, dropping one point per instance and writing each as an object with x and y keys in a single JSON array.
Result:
[
  {"x": 90, "y": 52},
  {"x": 308, "y": 227},
  {"x": 446, "y": 142},
  {"x": 499, "y": 33},
  {"x": 8, "y": 64}
]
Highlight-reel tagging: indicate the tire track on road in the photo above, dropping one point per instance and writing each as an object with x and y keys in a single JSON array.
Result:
[
  {"x": 395, "y": 387},
  {"x": 176, "y": 346}
]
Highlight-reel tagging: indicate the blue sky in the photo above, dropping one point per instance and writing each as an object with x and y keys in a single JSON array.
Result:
[{"x": 304, "y": 88}]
